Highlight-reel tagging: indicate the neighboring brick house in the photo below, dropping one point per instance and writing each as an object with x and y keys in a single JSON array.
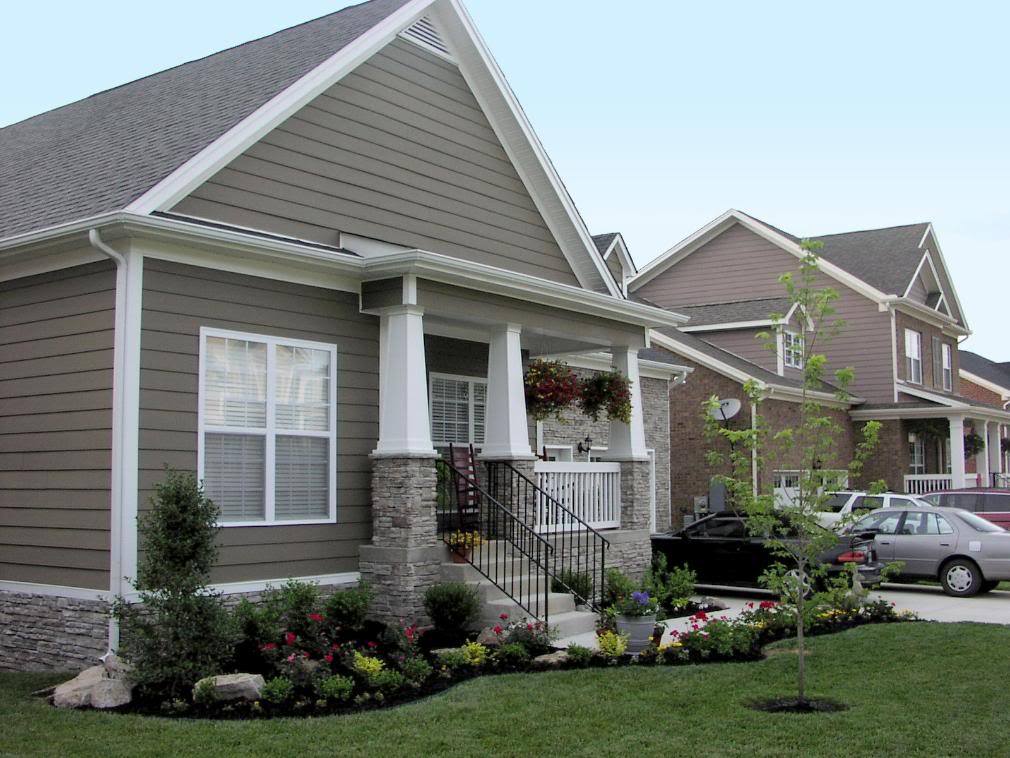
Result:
[
  {"x": 987, "y": 382},
  {"x": 902, "y": 324}
]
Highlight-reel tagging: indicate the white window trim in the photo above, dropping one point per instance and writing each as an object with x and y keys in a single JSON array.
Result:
[
  {"x": 269, "y": 431},
  {"x": 458, "y": 378},
  {"x": 947, "y": 366},
  {"x": 913, "y": 337},
  {"x": 917, "y": 449},
  {"x": 788, "y": 355}
]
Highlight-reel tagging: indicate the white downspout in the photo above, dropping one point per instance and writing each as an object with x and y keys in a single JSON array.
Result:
[{"x": 118, "y": 383}]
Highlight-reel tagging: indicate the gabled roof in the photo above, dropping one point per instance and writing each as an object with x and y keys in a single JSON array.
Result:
[
  {"x": 740, "y": 312},
  {"x": 604, "y": 241},
  {"x": 141, "y": 147},
  {"x": 101, "y": 153},
  {"x": 885, "y": 258},
  {"x": 982, "y": 367}
]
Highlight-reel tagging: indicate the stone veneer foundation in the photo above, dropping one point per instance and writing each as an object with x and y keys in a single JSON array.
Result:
[{"x": 47, "y": 633}]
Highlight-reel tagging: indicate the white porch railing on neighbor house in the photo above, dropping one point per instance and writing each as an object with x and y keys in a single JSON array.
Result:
[
  {"x": 592, "y": 491},
  {"x": 923, "y": 484}
]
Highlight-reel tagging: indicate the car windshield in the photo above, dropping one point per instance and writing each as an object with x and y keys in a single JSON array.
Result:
[
  {"x": 978, "y": 523},
  {"x": 836, "y": 502}
]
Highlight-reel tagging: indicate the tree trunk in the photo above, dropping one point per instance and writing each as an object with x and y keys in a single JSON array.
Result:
[{"x": 801, "y": 666}]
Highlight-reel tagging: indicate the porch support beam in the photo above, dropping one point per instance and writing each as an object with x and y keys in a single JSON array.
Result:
[
  {"x": 994, "y": 448},
  {"x": 506, "y": 435},
  {"x": 956, "y": 451},
  {"x": 627, "y": 441},
  {"x": 982, "y": 456},
  {"x": 404, "y": 426}
]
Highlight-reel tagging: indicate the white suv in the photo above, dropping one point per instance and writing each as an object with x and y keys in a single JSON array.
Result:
[{"x": 840, "y": 505}]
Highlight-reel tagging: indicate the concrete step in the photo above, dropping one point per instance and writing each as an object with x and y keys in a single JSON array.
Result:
[
  {"x": 464, "y": 572},
  {"x": 557, "y": 603},
  {"x": 578, "y": 624}
]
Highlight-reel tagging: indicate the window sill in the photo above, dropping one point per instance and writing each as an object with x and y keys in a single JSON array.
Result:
[{"x": 291, "y": 522}]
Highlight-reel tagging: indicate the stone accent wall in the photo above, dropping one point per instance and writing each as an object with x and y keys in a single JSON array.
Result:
[
  {"x": 46, "y": 633},
  {"x": 404, "y": 558}
]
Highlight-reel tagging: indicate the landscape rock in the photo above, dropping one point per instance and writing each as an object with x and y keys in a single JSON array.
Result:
[
  {"x": 488, "y": 638},
  {"x": 100, "y": 686},
  {"x": 233, "y": 686},
  {"x": 553, "y": 660}
]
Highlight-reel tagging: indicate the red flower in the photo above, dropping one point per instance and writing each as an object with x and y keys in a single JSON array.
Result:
[
  {"x": 529, "y": 627},
  {"x": 504, "y": 617},
  {"x": 372, "y": 645},
  {"x": 269, "y": 646},
  {"x": 335, "y": 646},
  {"x": 328, "y": 657},
  {"x": 317, "y": 617},
  {"x": 701, "y": 616},
  {"x": 766, "y": 604},
  {"x": 497, "y": 630},
  {"x": 306, "y": 655},
  {"x": 290, "y": 638}
]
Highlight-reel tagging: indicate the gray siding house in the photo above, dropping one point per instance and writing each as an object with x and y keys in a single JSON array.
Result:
[
  {"x": 301, "y": 268},
  {"x": 902, "y": 325}
]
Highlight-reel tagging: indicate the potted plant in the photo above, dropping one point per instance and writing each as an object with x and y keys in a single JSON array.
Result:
[
  {"x": 550, "y": 387},
  {"x": 606, "y": 391},
  {"x": 462, "y": 543},
  {"x": 636, "y": 617},
  {"x": 973, "y": 444}
]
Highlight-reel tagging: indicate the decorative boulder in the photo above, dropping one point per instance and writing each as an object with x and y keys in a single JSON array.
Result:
[
  {"x": 232, "y": 686},
  {"x": 104, "y": 686},
  {"x": 488, "y": 637},
  {"x": 551, "y": 660}
]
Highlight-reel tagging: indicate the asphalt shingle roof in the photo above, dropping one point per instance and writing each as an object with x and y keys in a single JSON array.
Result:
[
  {"x": 734, "y": 312},
  {"x": 973, "y": 363},
  {"x": 883, "y": 258},
  {"x": 603, "y": 241},
  {"x": 99, "y": 154}
]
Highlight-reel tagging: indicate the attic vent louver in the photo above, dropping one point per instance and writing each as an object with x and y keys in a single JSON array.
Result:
[{"x": 424, "y": 33}]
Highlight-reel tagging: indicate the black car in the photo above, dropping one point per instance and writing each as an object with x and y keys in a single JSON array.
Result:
[{"x": 721, "y": 550}]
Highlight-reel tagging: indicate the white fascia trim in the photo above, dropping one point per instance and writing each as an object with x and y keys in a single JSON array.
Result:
[
  {"x": 691, "y": 243},
  {"x": 605, "y": 362},
  {"x": 618, "y": 246},
  {"x": 794, "y": 395},
  {"x": 441, "y": 268},
  {"x": 55, "y": 590},
  {"x": 925, "y": 313},
  {"x": 229, "y": 145},
  {"x": 728, "y": 326},
  {"x": 514, "y": 130},
  {"x": 1003, "y": 392},
  {"x": 915, "y": 276},
  {"x": 946, "y": 270}
]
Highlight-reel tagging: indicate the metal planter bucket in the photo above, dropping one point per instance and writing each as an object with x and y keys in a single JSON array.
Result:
[{"x": 639, "y": 630}]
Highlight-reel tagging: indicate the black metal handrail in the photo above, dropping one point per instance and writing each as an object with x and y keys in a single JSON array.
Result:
[
  {"x": 580, "y": 552},
  {"x": 506, "y": 551}
]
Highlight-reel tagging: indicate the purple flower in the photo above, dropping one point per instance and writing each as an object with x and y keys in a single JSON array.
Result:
[{"x": 642, "y": 598}]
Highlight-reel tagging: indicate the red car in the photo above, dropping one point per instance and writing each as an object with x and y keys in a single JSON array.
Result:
[{"x": 991, "y": 504}]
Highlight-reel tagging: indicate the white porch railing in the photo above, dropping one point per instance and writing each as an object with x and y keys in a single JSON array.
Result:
[
  {"x": 923, "y": 484},
  {"x": 592, "y": 491}
]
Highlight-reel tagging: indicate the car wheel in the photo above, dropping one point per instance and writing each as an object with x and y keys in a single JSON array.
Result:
[
  {"x": 961, "y": 578},
  {"x": 989, "y": 585}
]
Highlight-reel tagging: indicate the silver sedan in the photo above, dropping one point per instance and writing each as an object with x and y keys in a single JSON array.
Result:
[{"x": 966, "y": 553}]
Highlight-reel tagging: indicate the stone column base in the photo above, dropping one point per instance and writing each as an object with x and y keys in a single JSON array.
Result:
[
  {"x": 47, "y": 633},
  {"x": 399, "y": 578}
]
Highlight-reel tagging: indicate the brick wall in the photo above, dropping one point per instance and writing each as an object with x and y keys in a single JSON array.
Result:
[
  {"x": 890, "y": 459},
  {"x": 777, "y": 415},
  {"x": 976, "y": 392}
]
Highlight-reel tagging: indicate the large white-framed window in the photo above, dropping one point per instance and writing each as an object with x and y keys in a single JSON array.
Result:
[
  {"x": 948, "y": 367},
  {"x": 267, "y": 426},
  {"x": 917, "y": 457},
  {"x": 913, "y": 356},
  {"x": 457, "y": 406},
  {"x": 792, "y": 349}
]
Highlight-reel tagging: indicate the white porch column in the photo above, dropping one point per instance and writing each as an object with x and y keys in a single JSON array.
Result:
[
  {"x": 957, "y": 451},
  {"x": 627, "y": 441},
  {"x": 506, "y": 436},
  {"x": 982, "y": 457},
  {"x": 993, "y": 444},
  {"x": 404, "y": 425}
]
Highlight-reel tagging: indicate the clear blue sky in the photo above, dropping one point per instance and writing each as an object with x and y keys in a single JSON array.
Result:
[{"x": 659, "y": 116}]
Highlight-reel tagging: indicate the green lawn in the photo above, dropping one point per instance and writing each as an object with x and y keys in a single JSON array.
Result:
[{"x": 914, "y": 689}]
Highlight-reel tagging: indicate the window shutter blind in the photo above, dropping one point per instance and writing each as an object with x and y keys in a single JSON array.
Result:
[
  {"x": 303, "y": 389},
  {"x": 301, "y": 478},
  {"x": 235, "y": 388},
  {"x": 234, "y": 469},
  {"x": 937, "y": 363},
  {"x": 450, "y": 411},
  {"x": 479, "y": 405}
]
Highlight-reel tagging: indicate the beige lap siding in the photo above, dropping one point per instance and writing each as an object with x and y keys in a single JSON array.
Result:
[
  {"x": 56, "y": 344},
  {"x": 178, "y": 301}
]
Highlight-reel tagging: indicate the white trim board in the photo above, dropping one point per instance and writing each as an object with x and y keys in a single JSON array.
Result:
[{"x": 55, "y": 590}]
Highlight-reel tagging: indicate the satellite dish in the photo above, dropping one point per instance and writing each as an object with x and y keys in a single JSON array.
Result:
[{"x": 727, "y": 409}]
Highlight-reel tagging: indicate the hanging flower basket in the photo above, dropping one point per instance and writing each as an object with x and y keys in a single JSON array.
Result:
[
  {"x": 551, "y": 387},
  {"x": 973, "y": 444},
  {"x": 606, "y": 392},
  {"x": 1004, "y": 445}
]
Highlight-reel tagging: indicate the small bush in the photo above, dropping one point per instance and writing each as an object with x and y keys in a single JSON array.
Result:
[
  {"x": 612, "y": 645},
  {"x": 336, "y": 688},
  {"x": 204, "y": 693},
  {"x": 278, "y": 690},
  {"x": 388, "y": 682},
  {"x": 453, "y": 606},
  {"x": 579, "y": 583},
  {"x": 349, "y": 608},
  {"x": 475, "y": 653},
  {"x": 366, "y": 666},
  {"x": 579, "y": 656},
  {"x": 416, "y": 670},
  {"x": 673, "y": 588},
  {"x": 532, "y": 635},
  {"x": 616, "y": 587},
  {"x": 512, "y": 657},
  {"x": 452, "y": 660}
]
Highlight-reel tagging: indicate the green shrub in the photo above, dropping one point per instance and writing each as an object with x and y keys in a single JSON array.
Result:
[
  {"x": 366, "y": 666},
  {"x": 349, "y": 608},
  {"x": 204, "y": 693},
  {"x": 453, "y": 606},
  {"x": 532, "y": 635},
  {"x": 416, "y": 670},
  {"x": 475, "y": 653},
  {"x": 512, "y": 657},
  {"x": 336, "y": 688},
  {"x": 179, "y": 632},
  {"x": 616, "y": 587},
  {"x": 579, "y": 583},
  {"x": 388, "y": 682},
  {"x": 278, "y": 690},
  {"x": 579, "y": 656},
  {"x": 673, "y": 588},
  {"x": 452, "y": 660},
  {"x": 612, "y": 645}
]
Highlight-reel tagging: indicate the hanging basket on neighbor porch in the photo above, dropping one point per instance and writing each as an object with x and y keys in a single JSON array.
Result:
[
  {"x": 935, "y": 428},
  {"x": 1004, "y": 445},
  {"x": 973, "y": 444},
  {"x": 551, "y": 388},
  {"x": 606, "y": 392}
]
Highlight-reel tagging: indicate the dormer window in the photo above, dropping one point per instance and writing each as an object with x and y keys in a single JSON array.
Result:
[{"x": 792, "y": 350}]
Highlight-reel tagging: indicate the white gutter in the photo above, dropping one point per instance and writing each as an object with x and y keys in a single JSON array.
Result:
[{"x": 118, "y": 387}]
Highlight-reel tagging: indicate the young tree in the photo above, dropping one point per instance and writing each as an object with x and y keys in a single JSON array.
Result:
[{"x": 810, "y": 445}]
